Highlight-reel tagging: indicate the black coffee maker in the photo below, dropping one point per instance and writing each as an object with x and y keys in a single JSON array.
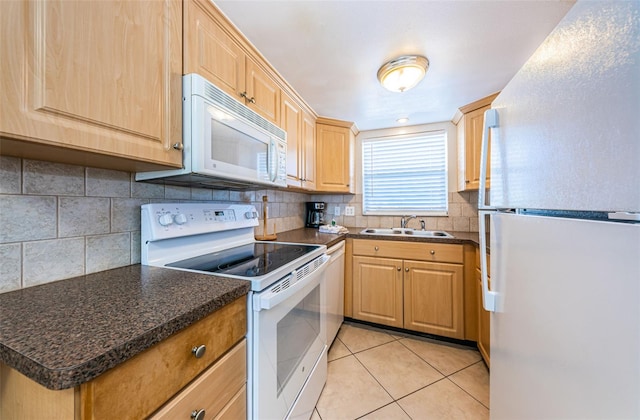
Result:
[{"x": 315, "y": 214}]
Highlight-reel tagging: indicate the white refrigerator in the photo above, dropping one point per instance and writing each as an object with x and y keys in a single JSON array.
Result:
[{"x": 563, "y": 217}]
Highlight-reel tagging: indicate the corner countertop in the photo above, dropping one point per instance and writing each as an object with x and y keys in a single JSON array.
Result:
[
  {"x": 313, "y": 236},
  {"x": 65, "y": 333}
]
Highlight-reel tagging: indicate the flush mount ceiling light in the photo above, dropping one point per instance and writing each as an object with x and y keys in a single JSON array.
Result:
[{"x": 403, "y": 73}]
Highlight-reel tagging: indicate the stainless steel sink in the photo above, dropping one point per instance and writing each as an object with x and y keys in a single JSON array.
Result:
[{"x": 406, "y": 232}]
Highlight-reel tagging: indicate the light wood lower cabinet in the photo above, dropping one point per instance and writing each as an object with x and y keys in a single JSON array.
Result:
[
  {"x": 484, "y": 317},
  {"x": 424, "y": 293},
  {"x": 140, "y": 386},
  {"x": 378, "y": 290},
  {"x": 433, "y": 300},
  {"x": 213, "y": 390}
]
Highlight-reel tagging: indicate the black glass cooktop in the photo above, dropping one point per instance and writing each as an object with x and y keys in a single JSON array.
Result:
[{"x": 251, "y": 260}]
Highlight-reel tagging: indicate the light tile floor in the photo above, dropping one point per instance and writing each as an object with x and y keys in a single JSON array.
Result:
[{"x": 381, "y": 374}]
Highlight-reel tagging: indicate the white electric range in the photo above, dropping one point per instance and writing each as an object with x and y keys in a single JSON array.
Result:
[{"x": 287, "y": 352}]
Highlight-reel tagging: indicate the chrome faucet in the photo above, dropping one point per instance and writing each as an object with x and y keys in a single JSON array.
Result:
[{"x": 405, "y": 220}]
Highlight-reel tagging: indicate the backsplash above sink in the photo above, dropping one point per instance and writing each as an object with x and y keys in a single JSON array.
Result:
[{"x": 463, "y": 213}]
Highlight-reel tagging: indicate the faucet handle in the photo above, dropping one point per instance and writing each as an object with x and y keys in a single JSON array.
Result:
[{"x": 422, "y": 224}]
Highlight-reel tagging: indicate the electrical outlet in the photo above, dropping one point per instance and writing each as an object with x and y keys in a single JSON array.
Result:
[
  {"x": 349, "y": 211},
  {"x": 336, "y": 211}
]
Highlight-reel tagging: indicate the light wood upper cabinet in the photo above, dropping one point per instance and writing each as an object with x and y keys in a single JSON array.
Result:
[
  {"x": 262, "y": 94},
  {"x": 335, "y": 156},
  {"x": 301, "y": 143},
  {"x": 213, "y": 49},
  {"x": 209, "y": 49},
  {"x": 95, "y": 83},
  {"x": 470, "y": 120}
]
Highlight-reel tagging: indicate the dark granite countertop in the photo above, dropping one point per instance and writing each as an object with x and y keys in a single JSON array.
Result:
[
  {"x": 311, "y": 235},
  {"x": 68, "y": 332}
]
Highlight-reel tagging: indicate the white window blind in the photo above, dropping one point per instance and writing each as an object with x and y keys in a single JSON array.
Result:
[{"x": 405, "y": 175}]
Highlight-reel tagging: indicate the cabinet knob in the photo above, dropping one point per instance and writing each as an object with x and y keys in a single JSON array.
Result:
[
  {"x": 432, "y": 252},
  {"x": 406, "y": 269},
  {"x": 399, "y": 268},
  {"x": 198, "y": 414},
  {"x": 198, "y": 351},
  {"x": 178, "y": 146},
  {"x": 376, "y": 248}
]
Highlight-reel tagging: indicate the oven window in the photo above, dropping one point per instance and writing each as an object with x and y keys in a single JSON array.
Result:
[{"x": 296, "y": 333}]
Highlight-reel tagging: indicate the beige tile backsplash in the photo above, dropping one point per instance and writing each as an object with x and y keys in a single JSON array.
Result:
[{"x": 59, "y": 221}]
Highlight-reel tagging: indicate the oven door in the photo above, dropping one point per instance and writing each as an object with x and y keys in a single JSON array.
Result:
[{"x": 288, "y": 339}]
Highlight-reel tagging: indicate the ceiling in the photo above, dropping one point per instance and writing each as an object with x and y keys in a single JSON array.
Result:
[{"x": 330, "y": 51}]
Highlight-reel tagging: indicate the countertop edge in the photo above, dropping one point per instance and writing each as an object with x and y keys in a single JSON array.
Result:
[{"x": 72, "y": 376}]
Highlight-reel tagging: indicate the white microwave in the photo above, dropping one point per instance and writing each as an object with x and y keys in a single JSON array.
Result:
[{"x": 226, "y": 144}]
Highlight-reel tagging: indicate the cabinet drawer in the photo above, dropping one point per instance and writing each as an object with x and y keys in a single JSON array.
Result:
[
  {"x": 423, "y": 251},
  {"x": 151, "y": 378},
  {"x": 213, "y": 390}
]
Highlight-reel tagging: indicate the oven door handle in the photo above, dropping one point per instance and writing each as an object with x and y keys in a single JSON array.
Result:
[{"x": 275, "y": 295}]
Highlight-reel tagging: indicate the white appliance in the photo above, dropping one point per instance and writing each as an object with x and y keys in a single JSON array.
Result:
[
  {"x": 226, "y": 144},
  {"x": 335, "y": 290},
  {"x": 565, "y": 250},
  {"x": 287, "y": 352}
]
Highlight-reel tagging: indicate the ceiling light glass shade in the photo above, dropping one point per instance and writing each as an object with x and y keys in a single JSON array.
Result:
[{"x": 403, "y": 73}]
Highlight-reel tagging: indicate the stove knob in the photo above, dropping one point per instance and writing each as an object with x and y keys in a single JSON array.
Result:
[
  {"x": 165, "y": 219},
  {"x": 251, "y": 215},
  {"x": 180, "y": 219}
]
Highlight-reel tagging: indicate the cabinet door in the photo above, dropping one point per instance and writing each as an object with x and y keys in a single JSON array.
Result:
[
  {"x": 474, "y": 121},
  {"x": 100, "y": 78},
  {"x": 290, "y": 121},
  {"x": 484, "y": 323},
  {"x": 377, "y": 290},
  {"x": 333, "y": 157},
  {"x": 308, "y": 151},
  {"x": 433, "y": 298},
  {"x": 210, "y": 51},
  {"x": 262, "y": 93}
]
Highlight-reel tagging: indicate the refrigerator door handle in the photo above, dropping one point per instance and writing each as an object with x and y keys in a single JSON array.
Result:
[
  {"x": 490, "y": 121},
  {"x": 488, "y": 297}
]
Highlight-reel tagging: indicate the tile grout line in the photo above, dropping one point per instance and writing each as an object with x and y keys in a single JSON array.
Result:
[
  {"x": 467, "y": 392},
  {"x": 400, "y": 340}
]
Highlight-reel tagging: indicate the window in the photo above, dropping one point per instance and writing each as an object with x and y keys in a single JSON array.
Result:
[{"x": 405, "y": 174}]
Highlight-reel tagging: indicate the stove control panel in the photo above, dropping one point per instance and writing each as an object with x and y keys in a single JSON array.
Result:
[{"x": 172, "y": 220}]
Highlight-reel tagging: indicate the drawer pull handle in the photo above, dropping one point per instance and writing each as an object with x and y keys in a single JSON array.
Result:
[
  {"x": 376, "y": 248},
  {"x": 198, "y": 414},
  {"x": 198, "y": 351},
  {"x": 433, "y": 252}
]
